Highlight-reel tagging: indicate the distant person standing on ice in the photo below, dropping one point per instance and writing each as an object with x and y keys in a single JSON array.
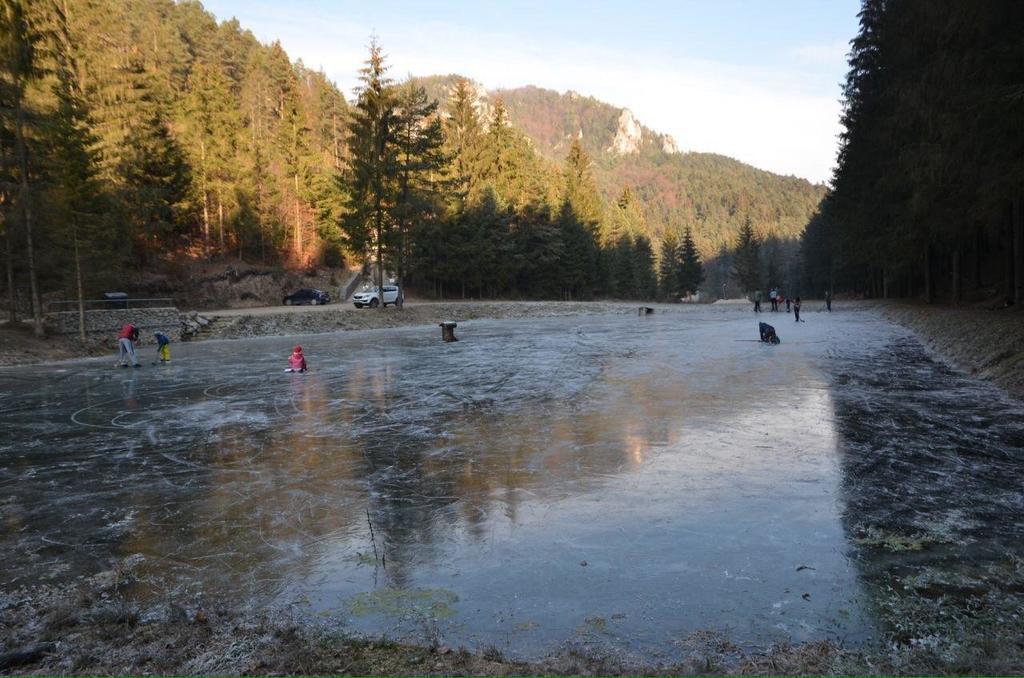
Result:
[
  {"x": 126, "y": 339},
  {"x": 297, "y": 361},
  {"x": 789, "y": 304},
  {"x": 796, "y": 309},
  {"x": 828, "y": 300},
  {"x": 757, "y": 301}
]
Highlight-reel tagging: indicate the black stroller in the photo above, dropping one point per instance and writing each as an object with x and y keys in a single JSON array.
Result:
[{"x": 768, "y": 334}]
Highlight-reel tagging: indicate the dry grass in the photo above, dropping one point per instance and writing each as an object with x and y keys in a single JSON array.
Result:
[
  {"x": 983, "y": 341},
  {"x": 94, "y": 630}
]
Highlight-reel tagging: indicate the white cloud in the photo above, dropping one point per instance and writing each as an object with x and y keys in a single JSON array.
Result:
[{"x": 770, "y": 118}]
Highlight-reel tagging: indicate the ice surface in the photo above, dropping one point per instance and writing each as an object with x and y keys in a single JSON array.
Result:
[{"x": 616, "y": 481}]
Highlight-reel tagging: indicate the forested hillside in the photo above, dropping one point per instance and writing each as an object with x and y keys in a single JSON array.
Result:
[
  {"x": 139, "y": 134},
  {"x": 133, "y": 132},
  {"x": 710, "y": 194},
  {"x": 927, "y": 197}
]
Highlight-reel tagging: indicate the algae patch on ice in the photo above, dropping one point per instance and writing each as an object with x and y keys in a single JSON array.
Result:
[{"x": 396, "y": 602}]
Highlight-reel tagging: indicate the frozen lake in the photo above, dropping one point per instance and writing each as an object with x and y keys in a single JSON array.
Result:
[{"x": 619, "y": 482}]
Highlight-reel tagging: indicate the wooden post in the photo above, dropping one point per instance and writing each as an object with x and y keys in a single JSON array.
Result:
[{"x": 448, "y": 331}]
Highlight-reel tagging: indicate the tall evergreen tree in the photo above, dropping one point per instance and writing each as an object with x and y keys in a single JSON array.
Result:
[
  {"x": 420, "y": 166},
  {"x": 580, "y": 189},
  {"x": 462, "y": 134},
  {"x": 578, "y": 221},
  {"x": 20, "y": 42},
  {"x": 669, "y": 274},
  {"x": 156, "y": 180},
  {"x": 77, "y": 197},
  {"x": 645, "y": 280},
  {"x": 691, "y": 270},
  {"x": 747, "y": 259},
  {"x": 212, "y": 127},
  {"x": 370, "y": 182}
]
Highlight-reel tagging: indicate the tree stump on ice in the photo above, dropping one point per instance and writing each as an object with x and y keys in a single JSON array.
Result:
[
  {"x": 644, "y": 310},
  {"x": 448, "y": 330}
]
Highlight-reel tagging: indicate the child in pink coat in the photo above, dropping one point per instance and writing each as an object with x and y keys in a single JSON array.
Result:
[{"x": 297, "y": 361}]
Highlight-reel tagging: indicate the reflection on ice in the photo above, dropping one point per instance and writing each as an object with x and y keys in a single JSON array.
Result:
[{"x": 616, "y": 481}]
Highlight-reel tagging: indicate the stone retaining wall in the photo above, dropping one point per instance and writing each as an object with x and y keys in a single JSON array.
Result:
[{"x": 166, "y": 319}]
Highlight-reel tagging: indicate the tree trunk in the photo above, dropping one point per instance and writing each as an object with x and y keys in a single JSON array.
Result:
[
  {"x": 220, "y": 221},
  {"x": 379, "y": 226},
  {"x": 259, "y": 217},
  {"x": 1018, "y": 252},
  {"x": 885, "y": 284},
  {"x": 957, "y": 292},
  {"x": 78, "y": 286},
  {"x": 929, "y": 290},
  {"x": 976, "y": 268},
  {"x": 298, "y": 224},
  {"x": 337, "y": 140},
  {"x": 11, "y": 296},
  {"x": 26, "y": 216},
  {"x": 1004, "y": 242},
  {"x": 206, "y": 199},
  {"x": 5, "y": 198}
]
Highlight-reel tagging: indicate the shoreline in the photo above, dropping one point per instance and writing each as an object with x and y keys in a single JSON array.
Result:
[
  {"x": 985, "y": 343},
  {"x": 94, "y": 627},
  {"x": 18, "y": 347}
]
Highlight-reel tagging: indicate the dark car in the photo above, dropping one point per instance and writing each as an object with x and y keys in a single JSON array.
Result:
[{"x": 313, "y": 297}]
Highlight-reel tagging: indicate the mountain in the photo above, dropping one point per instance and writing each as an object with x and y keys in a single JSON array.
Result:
[{"x": 710, "y": 194}]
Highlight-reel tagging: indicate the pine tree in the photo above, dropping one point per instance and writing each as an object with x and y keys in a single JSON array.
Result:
[
  {"x": 691, "y": 270},
  {"x": 747, "y": 259},
  {"x": 622, "y": 263},
  {"x": 156, "y": 185},
  {"x": 772, "y": 263},
  {"x": 669, "y": 265},
  {"x": 462, "y": 133},
  {"x": 496, "y": 165},
  {"x": 211, "y": 130},
  {"x": 76, "y": 195},
  {"x": 643, "y": 266},
  {"x": 20, "y": 42},
  {"x": 507, "y": 164},
  {"x": 578, "y": 250},
  {"x": 626, "y": 216},
  {"x": 580, "y": 190},
  {"x": 420, "y": 165},
  {"x": 370, "y": 182},
  {"x": 578, "y": 221}
]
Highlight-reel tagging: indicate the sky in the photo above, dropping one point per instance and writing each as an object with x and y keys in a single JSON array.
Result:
[{"x": 755, "y": 80}]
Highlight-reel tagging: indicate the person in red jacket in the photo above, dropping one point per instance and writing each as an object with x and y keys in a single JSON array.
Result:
[
  {"x": 297, "y": 361},
  {"x": 126, "y": 339}
]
